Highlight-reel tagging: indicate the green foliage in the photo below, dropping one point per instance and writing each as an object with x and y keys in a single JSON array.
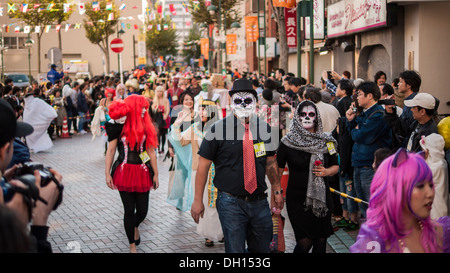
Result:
[
  {"x": 191, "y": 46},
  {"x": 164, "y": 41},
  {"x": 227, "y": 9},
  {"x": 98, "y": 28},
  {"x": 34, "y": 17}
]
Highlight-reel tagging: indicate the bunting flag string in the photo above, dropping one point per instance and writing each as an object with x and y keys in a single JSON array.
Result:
[{"x": 66, "y": 7}]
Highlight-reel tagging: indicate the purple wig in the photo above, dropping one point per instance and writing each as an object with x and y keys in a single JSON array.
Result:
[{"x": 390, "y": 193}]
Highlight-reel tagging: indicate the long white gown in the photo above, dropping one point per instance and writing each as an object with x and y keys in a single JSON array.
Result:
[{"x": 38, "y": 114}]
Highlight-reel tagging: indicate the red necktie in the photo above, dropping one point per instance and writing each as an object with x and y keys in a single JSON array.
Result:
[{"x": 249, "y": 161}]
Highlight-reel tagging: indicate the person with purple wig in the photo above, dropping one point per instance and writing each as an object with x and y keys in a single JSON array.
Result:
[{"x": 398, "y": 217}]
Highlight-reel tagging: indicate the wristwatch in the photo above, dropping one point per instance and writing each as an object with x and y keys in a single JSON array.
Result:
[{"x": 278, "y": 192}]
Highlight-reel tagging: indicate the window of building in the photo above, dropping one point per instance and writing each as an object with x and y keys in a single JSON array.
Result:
[{"x": 15, "y": 42}]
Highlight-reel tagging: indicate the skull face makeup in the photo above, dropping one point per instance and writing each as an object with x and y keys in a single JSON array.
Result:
[
  {"x": 308, "y": 116},
  {"x": 243, "y": 104}
]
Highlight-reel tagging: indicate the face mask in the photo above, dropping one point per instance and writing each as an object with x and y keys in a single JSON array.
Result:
[
  {"x": 308, "y": 116},
  {"x": 243, "y": 104}
]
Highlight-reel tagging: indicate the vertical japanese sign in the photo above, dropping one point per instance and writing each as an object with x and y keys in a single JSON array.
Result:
[
  {"x": 204, "y": 47},
  {"x": 319, "y": 20},
  {"x": 142, "y": 50},
  {"x": 290, "y": 15},
  {"x": 231, "y": 43},
  {"x": 251, "y": 28}
]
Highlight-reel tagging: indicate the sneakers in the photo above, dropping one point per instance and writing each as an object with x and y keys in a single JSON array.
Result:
[
  {"x": 340, "y": 224},
  {"x": 351, "y": 226},
  {"x": 83, "y": 132}
]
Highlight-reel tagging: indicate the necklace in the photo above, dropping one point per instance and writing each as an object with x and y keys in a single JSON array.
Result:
[{"x": 402, "y": 244}]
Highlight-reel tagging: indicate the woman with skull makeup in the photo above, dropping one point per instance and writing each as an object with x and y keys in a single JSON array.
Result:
[
  {"x": 311, "y": 157},
  {"x": 209, "y": 226},
  {"x": 135, "y": 172}
]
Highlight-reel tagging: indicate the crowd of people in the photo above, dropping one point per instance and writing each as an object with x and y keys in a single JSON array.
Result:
[{"x": 230, "y": 139}]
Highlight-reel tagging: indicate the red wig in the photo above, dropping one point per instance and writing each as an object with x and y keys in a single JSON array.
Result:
[
  {"x": 110, "y": 90},
  {"x": 138, "y": 123}
]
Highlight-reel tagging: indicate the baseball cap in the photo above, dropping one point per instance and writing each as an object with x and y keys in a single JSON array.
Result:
[
  {"x": 9, "y": 126},
  {"x": 423, "y": 100}
]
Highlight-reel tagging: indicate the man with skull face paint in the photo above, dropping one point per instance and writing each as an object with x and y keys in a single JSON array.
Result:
[{"x": 244, "y": 212}]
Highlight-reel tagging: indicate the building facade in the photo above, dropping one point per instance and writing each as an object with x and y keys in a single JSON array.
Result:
[
  {"x": 408, "y": 36},
  {"x": 76, "y": 48}
]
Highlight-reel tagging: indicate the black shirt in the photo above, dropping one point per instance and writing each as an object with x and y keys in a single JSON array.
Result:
[{"x": 223, "y": 145}]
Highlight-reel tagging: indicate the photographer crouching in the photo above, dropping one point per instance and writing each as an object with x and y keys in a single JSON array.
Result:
[{"x": 28, "y": 194}]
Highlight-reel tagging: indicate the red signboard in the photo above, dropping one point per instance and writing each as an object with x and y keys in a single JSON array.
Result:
[{"x": 290, "y": 15}]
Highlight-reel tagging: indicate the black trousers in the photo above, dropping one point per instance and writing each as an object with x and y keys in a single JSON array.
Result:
[{"x": 135, "y": 206}]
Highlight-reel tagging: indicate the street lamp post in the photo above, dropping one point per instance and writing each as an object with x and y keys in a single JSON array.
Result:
[
  {"x": 29, "y": 43},
  {"x": 119, "y": 56},
  {"x": 3, "y": 48}
]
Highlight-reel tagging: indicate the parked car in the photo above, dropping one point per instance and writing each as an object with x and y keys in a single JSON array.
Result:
[{"x": 19, "y": 79}]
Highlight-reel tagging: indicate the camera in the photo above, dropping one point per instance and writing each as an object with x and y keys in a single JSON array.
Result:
[
  {"x": 387, "y": 102},
  {"x": 30, "y": 192},
  {"x": 28, "y": 168}
]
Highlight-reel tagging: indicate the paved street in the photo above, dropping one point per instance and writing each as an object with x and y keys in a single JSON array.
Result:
[{"x": 90, "y": 220}]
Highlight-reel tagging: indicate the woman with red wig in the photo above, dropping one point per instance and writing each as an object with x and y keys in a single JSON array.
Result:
[{"x": 135, "y": 171}]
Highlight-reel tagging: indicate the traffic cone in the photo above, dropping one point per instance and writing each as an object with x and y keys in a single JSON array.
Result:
[{"x": 65, "y": 129}]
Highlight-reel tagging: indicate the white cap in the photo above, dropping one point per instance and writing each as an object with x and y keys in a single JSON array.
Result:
[{"x": 423, "y": 100}]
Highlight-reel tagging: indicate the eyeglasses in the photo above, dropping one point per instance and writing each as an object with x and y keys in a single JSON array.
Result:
[
  {"x": 239, "y": 101},
  {"x": 310, "y": 114}
]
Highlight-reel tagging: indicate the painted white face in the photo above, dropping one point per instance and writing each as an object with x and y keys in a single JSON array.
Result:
[
  {"x": 121, "y": 120},
  {"x": 243, "y": 104},
  {"x": 308, "y": 116}
]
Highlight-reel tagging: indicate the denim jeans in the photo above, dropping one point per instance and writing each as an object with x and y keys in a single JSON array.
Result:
[
  {"x": 362, "y": 179},
  {"x": 81, "y": 120},
  {"x": 348, "y": 186},
  {"x": 243, "y": 221}
]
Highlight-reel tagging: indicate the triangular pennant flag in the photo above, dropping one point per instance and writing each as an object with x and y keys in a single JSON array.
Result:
[
  {"x": 166, "y": 27},
  {"x": 11, "y": 8},
  {"x": 17, "y": 29},
  {"x": 26, "y": 29},
  {"x": 68, "y": 26},
  {"x": 196, "y": 5},
  {"x": 24, "y": 7},
  {"x": 109, "y": 6},
  {"x": 95, "y": 6},
  {"x": 158, "y": 27},
  {"x": 111, "y": 16},
  {"x": 67, "y": 8},
  {"x": 81, "y": 8},
  {"x": 122, "y": 7},
  {"x": 1, "y": 11},
  {"x": 135, "y": 26},
  {"x": 36, "y": 6},
  {"x": 50, "y": 6},
  {"x": 58, "y": 27},
  {"x": 77, "y": 26},
  {"x": 37, "y": 29},
  {"x": 47, "y": 28}
]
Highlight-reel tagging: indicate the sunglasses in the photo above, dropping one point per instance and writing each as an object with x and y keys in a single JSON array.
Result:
[
  {"x": 310, "y": 114},
  {"x": 246, "y": 101}
]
